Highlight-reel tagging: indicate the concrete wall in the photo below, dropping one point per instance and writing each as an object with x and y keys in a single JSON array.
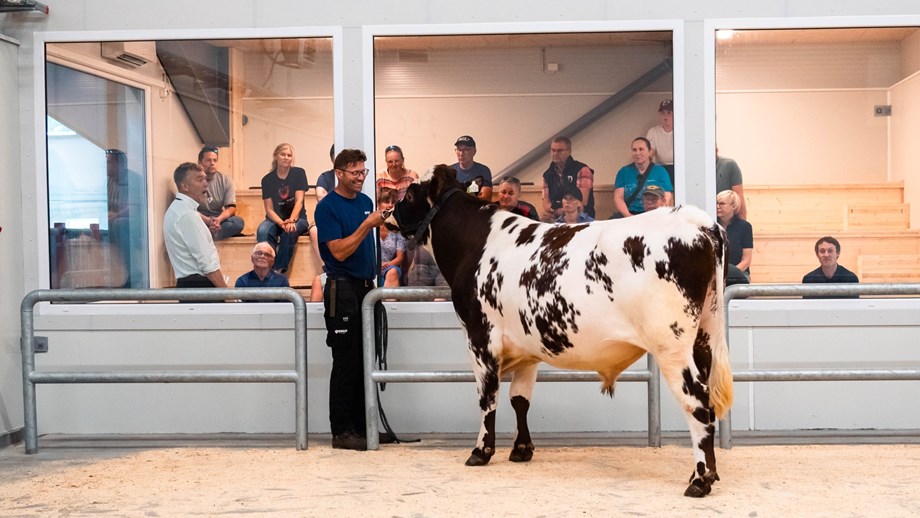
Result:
[{"x": 20, "y": 201}]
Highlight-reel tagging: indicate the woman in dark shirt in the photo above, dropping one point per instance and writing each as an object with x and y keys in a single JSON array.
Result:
[
  {"x": 740, "y": 233},
  {"x": 283, "y": 190}
]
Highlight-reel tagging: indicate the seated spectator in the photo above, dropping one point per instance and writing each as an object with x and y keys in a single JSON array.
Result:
[
  {"x": 424, "y": 271},
  {"x": 652, "y": 198},
  {"x": 316, "y": 289},
  {"x": 740, "y": 233},
  {"x": 283, "y": 191},
  {"x": 262, "y": 276},
  {"x": 661, "y": 138},
  {"x": 478, "y": 176},
  {"x": 562, "y": 173},
  {"x": 397, "y": 175},
  {"x": 218, "y": 210},
  {"x": 509, "y": 193},
  {"x": 392, "y": 244},
  {"x": 573, "y": 207},
  {"x": 633, "y": 178},
  {"x": 728, "y": 178},
  {"x": 735, "y": 276},
  {"x": 827, "y": 249}
]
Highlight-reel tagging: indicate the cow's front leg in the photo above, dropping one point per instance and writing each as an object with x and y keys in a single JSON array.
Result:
[
  {"x": 486, "y": 370},
  {"x": 521, "y": 394}
]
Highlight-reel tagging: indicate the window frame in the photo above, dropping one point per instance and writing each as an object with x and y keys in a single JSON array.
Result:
[{"x": 62, "y": 57}]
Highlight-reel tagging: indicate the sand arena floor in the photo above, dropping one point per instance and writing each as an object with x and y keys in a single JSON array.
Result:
[{"x": 268, "y": 477}]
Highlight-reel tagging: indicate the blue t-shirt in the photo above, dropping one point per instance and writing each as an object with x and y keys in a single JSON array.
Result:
[
  {"x": 628, "y": 179},
  {"x": 477, "y": 171},
  {"x": 338, "y": 217},
  {"x": 272, "y": 280},
  {"x": 326, "y": 180}
]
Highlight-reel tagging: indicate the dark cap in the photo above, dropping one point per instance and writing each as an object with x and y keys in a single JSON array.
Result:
[
  {"x": 666, "y": 105},
  {"x": 574, "y": 192},
  {"x": 653, "y": 190},
  {"x": 465, "y": 140}
]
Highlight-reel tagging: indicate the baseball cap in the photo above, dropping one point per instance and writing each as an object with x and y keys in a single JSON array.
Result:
[
  {"x": 574, "y": 192},
  {"x": 666, "y": 105},
  {"x": 465, "y": 140},
  {"x": 653, "y": 190}
]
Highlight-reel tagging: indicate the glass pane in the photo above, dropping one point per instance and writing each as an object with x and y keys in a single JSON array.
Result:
[{"x": 97, "y": 186}]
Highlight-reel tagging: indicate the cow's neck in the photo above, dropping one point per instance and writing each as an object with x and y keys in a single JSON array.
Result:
[{"x": 458, "y": 235}]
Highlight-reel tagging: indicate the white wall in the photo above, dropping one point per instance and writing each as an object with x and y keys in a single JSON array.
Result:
[
  {"x": 21, "y": 270},
  {"x": 11, "y": 243},
  {"x": 905, "y": 125}
]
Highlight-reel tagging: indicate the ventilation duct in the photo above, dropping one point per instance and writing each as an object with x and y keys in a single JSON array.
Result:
[{"x": 129, "y": 54}]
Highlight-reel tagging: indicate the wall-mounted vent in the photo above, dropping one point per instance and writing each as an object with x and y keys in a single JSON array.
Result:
[{"x": 129, "y": 54}]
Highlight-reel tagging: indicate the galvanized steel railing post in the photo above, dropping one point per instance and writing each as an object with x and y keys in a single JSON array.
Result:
[
  {"x": 29, "y": 377},
  {"x": 654, "y": 402}
]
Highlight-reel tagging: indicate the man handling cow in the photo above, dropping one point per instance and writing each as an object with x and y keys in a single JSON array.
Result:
[{"x": 345, "y": 220}]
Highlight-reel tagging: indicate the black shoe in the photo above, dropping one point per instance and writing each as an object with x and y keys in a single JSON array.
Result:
[{"x": 349, "y": 441}]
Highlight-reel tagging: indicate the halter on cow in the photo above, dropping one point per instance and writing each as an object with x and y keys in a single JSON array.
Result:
[{"x": 595, "y": 297}]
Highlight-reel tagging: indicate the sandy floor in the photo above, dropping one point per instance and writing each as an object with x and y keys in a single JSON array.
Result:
[{"x": 430, "y": 480}]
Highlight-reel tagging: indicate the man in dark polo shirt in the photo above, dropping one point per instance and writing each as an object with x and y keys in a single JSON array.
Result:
[{"x": 345, "y": 220}]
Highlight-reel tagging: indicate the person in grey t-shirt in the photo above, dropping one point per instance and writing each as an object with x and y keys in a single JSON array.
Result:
[
  {"x": 219, "y": 209},
  {"x": 728, "y": 178}
]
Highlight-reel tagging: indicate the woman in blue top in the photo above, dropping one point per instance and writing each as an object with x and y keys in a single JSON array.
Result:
[{"x": 627, "y": 194}]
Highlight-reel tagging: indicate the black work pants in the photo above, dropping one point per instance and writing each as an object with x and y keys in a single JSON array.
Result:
[{"x": 342, "y": 302}]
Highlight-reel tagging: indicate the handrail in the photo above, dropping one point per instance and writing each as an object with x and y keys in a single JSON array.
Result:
[
  {"x": 743, "y": 291},
  {"x": 27, "y": 344},
  {"x": 373, "y": 376}
]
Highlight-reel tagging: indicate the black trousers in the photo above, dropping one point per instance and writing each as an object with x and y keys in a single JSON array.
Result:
[{"x": 342, "y": 302}]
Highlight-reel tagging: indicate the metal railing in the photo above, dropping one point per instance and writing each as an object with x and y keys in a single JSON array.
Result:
[
  {"x": 741, "y": 291},
  {"x": 30, "y": 377},
  {"x": 372, "y": 376}
]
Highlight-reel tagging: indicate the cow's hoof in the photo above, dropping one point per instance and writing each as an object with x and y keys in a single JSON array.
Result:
[
  {"x": 479, "y": 457},
  {"x": 698, "y": 489},
  {"x": 521, "y": 453}
]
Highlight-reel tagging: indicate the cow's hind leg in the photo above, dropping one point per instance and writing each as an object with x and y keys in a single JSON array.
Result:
[
  {"x": 521, "y": 392},
  {"x": 486, "y": 371},
  {"x": 688, "y": 380}
]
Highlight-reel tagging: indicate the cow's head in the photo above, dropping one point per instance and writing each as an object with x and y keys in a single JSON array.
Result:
[{"x": 410, "y": 214}]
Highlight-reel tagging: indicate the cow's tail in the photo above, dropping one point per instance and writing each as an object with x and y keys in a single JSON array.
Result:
[{"x": 720, "y": 374}]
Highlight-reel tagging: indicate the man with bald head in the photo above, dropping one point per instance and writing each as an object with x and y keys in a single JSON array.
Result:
[{"x": 262, "y": 275}]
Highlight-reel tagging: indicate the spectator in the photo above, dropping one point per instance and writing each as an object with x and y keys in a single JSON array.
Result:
[
  {"x": 728, "y": 178},
  {"x": 325, "y": 183},
  {"x": 283, "y": 190},
  {"x": 827, "y": 249},
  {"x": 652, "y": 198},
  {"x": 564, "y": 172},
  {"x": 317, "y": 288},
  {"x": 509, "y": 193},
  {"x": 262, "y": 275},
  {"x": 126, "y": 192},
  {"x": 424, "y": 270},
  {"x": 189, "y": 244},
  {"x": 392, "y": 244},
  {"x": 632, "y": 179},
  {"x": 219, "y": 209},
  {"x": 573, "y": 208},
  {"x": 396, "y": 176},
  {"x": 345, "y": 222},
  {"x": 735, "y": 276},
  {"x": 740, "y": 233},
  {"x": 477, "y": 175},
  {"x": 662, "y": 138}
]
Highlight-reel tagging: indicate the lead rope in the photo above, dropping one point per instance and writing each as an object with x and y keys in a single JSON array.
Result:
[{"x": 380, "y": 336}]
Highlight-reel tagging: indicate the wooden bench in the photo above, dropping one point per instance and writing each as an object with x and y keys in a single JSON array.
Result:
[
  {"x": 235, "y": 254},
  {"x": 888, "y": 268}
]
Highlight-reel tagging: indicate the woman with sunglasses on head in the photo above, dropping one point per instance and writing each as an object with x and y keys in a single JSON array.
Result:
[
  {"x": 396, "y": 176},
  {"x": 283, "y": 190}
]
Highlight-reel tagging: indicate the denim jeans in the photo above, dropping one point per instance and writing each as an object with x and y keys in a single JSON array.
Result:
[{"x": 282, "y": 241}]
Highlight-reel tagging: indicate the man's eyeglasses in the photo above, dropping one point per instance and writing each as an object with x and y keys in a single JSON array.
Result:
[
  {"x": 259, "y": 253},
  {"x": 356, "y": 173}
]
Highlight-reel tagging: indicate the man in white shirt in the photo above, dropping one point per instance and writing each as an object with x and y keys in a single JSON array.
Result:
[
  {"x": 188, "y": 241},
  {"x": 662, "y": 138}
]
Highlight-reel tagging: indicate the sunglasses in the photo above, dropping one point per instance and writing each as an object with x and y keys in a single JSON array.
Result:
[{"x": 393, "y": 148}]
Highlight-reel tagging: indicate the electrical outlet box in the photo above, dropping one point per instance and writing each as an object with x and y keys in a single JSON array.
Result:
[
  {"x": 883, "y": 110},
  {"x": 40, "y": 344}
]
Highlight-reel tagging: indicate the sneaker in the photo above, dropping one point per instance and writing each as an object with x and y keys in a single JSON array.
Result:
[{"x": 349, "y": 441}]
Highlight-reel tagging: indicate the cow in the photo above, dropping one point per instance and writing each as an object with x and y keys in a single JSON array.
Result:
[{"x": 594, "y": 296}]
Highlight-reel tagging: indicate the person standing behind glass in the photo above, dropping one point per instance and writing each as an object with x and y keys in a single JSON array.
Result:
[
  {"x": 632, "y": 179},
  {"x": 740, "y": 233},
  {"x": 283, "y": 191}
]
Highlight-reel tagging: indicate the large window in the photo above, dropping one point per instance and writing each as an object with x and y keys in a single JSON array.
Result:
[
  {"x": 97, "y": 185},
  {"x": 122, "y": 115}
]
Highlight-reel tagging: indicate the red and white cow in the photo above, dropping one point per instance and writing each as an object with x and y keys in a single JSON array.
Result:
[{"x": 587, "y": 296}]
